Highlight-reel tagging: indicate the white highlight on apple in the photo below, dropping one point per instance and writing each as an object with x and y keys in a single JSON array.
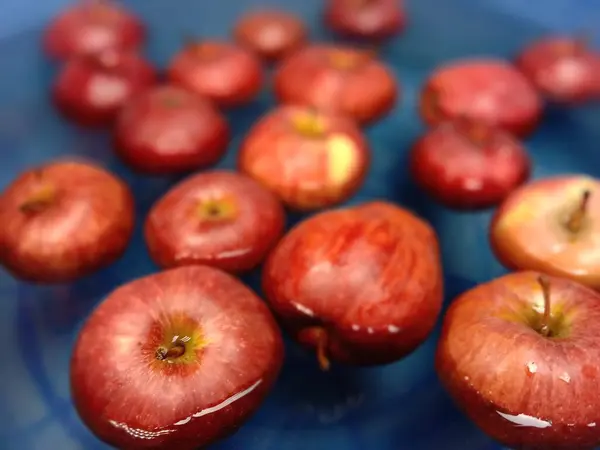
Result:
[
  {"x": 303, "y": 309},
  {"x": 393, "y": 329},
  {"x": 225, "y": 403},
  {"x": 532, "y": 367},
  {"x": 523, "y": 420},
  {"x": 138, "y": 433},
  {"x": 591, "y": 425},
  {"x": 565, "y": 377}
]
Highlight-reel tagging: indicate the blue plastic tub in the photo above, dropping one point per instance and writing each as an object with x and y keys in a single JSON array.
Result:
[{"x": 398, "y": 407}]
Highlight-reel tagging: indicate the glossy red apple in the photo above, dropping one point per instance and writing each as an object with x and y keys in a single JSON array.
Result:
[
  {"x": 468, "y": 165},
  {"x": 226, "y": 73},
  {"x": 92, "y": 89},
  {"x": 490, "y": 91},
  {"x": 174, "y": 360},
  {"x": 62, "y": 221},
  {"x": 520, "y": 355},
  {"x": 338, "y": 79},
  {"x": 551, "y": 225},
  {"x": 91, "y": 26},
  {"x": 362, "y": 285},
  {"x": 564, "y": 69},
  {"x": 366, "y": 19},
  {"x": 170, "y": 130},
  {"x": 309, "y": 159},
  {"x": 219, "y": 218},
  {"x": 270, "y": 34}
]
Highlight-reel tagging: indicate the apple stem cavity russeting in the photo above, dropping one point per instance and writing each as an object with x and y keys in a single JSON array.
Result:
[
  {"x": 309, "y": 124},
  {"x": 576, "y": 219},
  {"x": 174, "y": 352},
  {"x": 545, "y": 322}
]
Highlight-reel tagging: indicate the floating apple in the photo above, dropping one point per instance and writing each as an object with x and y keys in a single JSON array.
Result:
[
  {"x": 309, "y": 159},
  {"x": 366, "y": 19},
  {"x": 91, "y": 26},
  {"x": 520, "y": 355},
  {"x": 362, "y": 285},
  {"x": 564, "y": 69},
  {"x": 270, "y": 34},
  {"x": 174, "y": 360},
  {"x": 62, "y": 221},
  {"x": 170, "y": 130},
  {"x": 92, "y": 89},
  {"x": 226, "y": 73},
  {"x": 490, "y": 91},
  {"x": 338, "y": 79},
  {"x": 221, "y": 219},
  {"x": 468, "y": 165},
  {"x": 551, "y": 225}
]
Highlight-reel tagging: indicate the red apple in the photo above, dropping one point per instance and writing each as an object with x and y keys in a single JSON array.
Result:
[
  {"x": 170, "y": 130},
  {"x": 362, "y": 285},
  {"x": 338, "y": 79},
  {"x": 551, "y": 225},
  {"x": 564, "y": 69},
  {"x": 62, "y": 221},
  {"x": 226, "y": 73},
  {"x": 174, "y": 360},
  {"x": 309, "y": 159},
  {"x": 221, "y": 219},
  {"x": 468, "y": 165},
  {"x": 520, "y": 355},
  {"x": 91, "y": 26},
  {"x": 92, "y": 89},
  {"x": 366, "y": 19},
  {"x": 270, "y": 34},
  {"x": 491, "y": 91}
]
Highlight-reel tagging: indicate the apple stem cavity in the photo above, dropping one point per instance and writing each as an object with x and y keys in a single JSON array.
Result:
[
  {"x": 545, "y": 323},
  {"x": 309, "y": 124},
  {"x": 576, "y": 219},
  {"x": 174, "y": 352},
  {"x": 38, "y": 202}
]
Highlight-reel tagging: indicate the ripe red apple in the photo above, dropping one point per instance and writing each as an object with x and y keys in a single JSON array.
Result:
[
  {"x": 309, "y": 159},
  {"x": 564, "y": 69},
  {"x": 366, "y": 19},
  {"x": 362, "y": 285},
  {"x": 551, "y": 225},
  {"x": 270, "y": 34},
  {"x": 487, "y": 90},
  {"x": 170, "y": 130},
  {"x": 221, "y": 219},
  {"x": 174, "y": 360},
  {"x": 468, "y": 165},
  {"x": 338, "y": 79},
  {"x": 92, "y": 89},
  {"x": 520, "y": 355},
  {"x": 226, "y": 73},
  {"x": 91, "y": 26},
  {"x": 62, "y": 221}
]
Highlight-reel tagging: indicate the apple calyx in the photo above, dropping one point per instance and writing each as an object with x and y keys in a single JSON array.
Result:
[
  {"x": 173, "y": 352},
  {"x": 544, "y": 328},
  {"x": 217, "y": 209},
  {"x": 309, "y": 124},
  {"x": 576, "y": 219}
]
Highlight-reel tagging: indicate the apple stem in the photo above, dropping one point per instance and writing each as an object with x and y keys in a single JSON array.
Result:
[
  {"x": 322, "y": 351},
  {"x": 575, "y": 222},
  {"x": 174, "y": 352},
  {"x": 545, "y": 323}
]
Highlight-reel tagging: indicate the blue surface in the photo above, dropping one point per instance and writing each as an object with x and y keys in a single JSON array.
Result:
[{"x": 394, "y": 408}]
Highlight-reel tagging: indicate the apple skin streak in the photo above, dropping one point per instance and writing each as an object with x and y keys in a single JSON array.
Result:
[
  {"x": 524, "y": 390},
  {"x": 86, "y": 226},
  {"x": 309, "y": 78},
  {"x": 369, "y": 275},
  {"x": 122, "y": 394},
  {"x": 301, "y": 169}
]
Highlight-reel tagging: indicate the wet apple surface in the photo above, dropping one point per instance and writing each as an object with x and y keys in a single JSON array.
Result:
[
  {"x": 487, "y": 90},
  {"x": 340, "y": 79},
  {"x": 310, "y": 159},
  {"x": 367, "y": 19},
  {"x": 92, "y": 26},
  {"x": 177, "y": 359},
  {"x": 64, "y": 220},
  {"x": 551, "y": 225},
  {"x": 220, "y": 218},
  {"x": 469, "y": 165},
  {"x": 519, "y": 355},
  {"x": 361, "y": 285}
]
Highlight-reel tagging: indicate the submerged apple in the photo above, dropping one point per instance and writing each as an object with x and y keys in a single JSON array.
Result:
[
  {"x": 362, "y": 285},
  {"x": 520, "y": 356},
  {"x": 551, "y": 225},
  {"x": 174, "y": 360}
]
